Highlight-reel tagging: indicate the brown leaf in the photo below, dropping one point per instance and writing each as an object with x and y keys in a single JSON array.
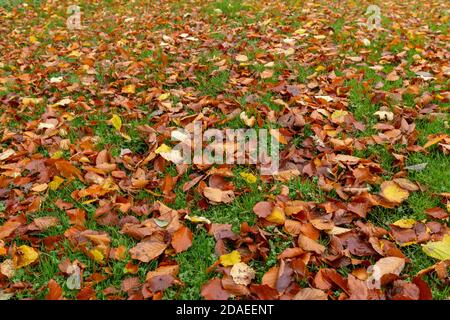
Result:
[
  {"x": 43, "y": 223},
  {"x": 437, "y": 213},
  {"x": 308, "y": 244},
  {"x": 311, "y": 294},
  {"x": 182, "y": 239},
  {"x": 218, "y": 196},
  {"x": 146, "y": 251},
  {"x": 8, "y": 228}
]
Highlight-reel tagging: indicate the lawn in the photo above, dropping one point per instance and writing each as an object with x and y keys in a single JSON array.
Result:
[{"x": 90, "y": 208}]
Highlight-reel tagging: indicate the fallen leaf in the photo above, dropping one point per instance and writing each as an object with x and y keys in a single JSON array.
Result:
[
  {"x": 131, "y": 88},
  {"x": 277, "y": 216},
  {"x": 7, "y": 268},
  {"x": 55, "y": 291},
  {"x": 116, "y": 122},
  {"x": 438, "y": 249},
  {"x": 146, "y": 251},
  {"x": 384, "y": 266},
  {"x": 392, "y": 192},
  {"x": 263, "y": 209},
  {"x": 241, "y": 58},
  {"x": 218, "y": 196},
  {"x": 405, "y": 223},
  {"x": 242, "y": 273},
  {"x": 213, "y": 290},
  {"x": 248, "y": 177},
  {"x": 182, "y": 239},
  {"x": 230, "y": 259},
  {"x": 310, "y": 294},
  {"x": 25, "y": 256},
  {"x": 308, "y": 244}
]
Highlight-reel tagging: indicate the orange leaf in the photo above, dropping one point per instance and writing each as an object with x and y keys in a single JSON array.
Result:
[{"x": 182, "y": 239}]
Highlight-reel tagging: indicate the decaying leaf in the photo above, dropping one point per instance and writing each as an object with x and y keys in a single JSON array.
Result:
[
  {"x": 242, "y": 273},
  {"x": 385, "y": 266}
]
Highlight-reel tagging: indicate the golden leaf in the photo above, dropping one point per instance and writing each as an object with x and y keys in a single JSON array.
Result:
[
  {"x": 97, "y": 255},
  {"x": 131, "y": 88},
  {"x": 25, "y": 255},
  {"x": 277, "y": 216},
  {"x": 55, "y": 183},
  {"x": 393, "y": 193},
  {"x": 230, "y": 259}
]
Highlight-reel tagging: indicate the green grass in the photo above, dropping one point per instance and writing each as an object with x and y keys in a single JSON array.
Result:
[{"x": 232, "y": 27}]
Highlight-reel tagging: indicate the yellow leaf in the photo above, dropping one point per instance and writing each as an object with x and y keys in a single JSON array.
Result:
[
  {"x": 230, "y": 259},
  {"x": 58, "y": 154},
  {"x": 116, "y": 122},
  {"x": 55, "y": 183},
  {"x": 405, "y": 244},
  {"x": 277, "y": 216},
  {"x": 393, "y": 193},
  {"x": 163, "y": 149},
  {"x": 300, "y": 31},
  {"x": 75, "y": 54},
  {"x": 338, "y": 114},
  {"x": 405, "y": 223},
  {"x": 439, "y": 249},
  {"x": 125, "y": 136},
  {"x": 320, "y": 68},
  {"x": 89, "y": 201},
  {"x": 164, "y": 96},
  {"x": 33, "y": 39},
  {"x": 25, "y": 255},
  {"x": 31, "y": 101},
  {"x": 197, "y": 219},
  {"x": 131, "y": 88},
  {"x": 97, "y": 255},
  {"x": 248, "y": 177},
  {"x": 434, "y": 141}
]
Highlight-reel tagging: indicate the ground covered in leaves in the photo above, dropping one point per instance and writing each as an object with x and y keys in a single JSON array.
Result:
[{"x": 90, "y": 209}]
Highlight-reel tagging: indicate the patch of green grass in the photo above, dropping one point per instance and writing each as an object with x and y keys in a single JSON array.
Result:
[
  {"x": 306, "y": 190},
  {"x": 436, "y": 175},
  {"x": 361, "y": 106},
  {"x": 193, "y": 265}
]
